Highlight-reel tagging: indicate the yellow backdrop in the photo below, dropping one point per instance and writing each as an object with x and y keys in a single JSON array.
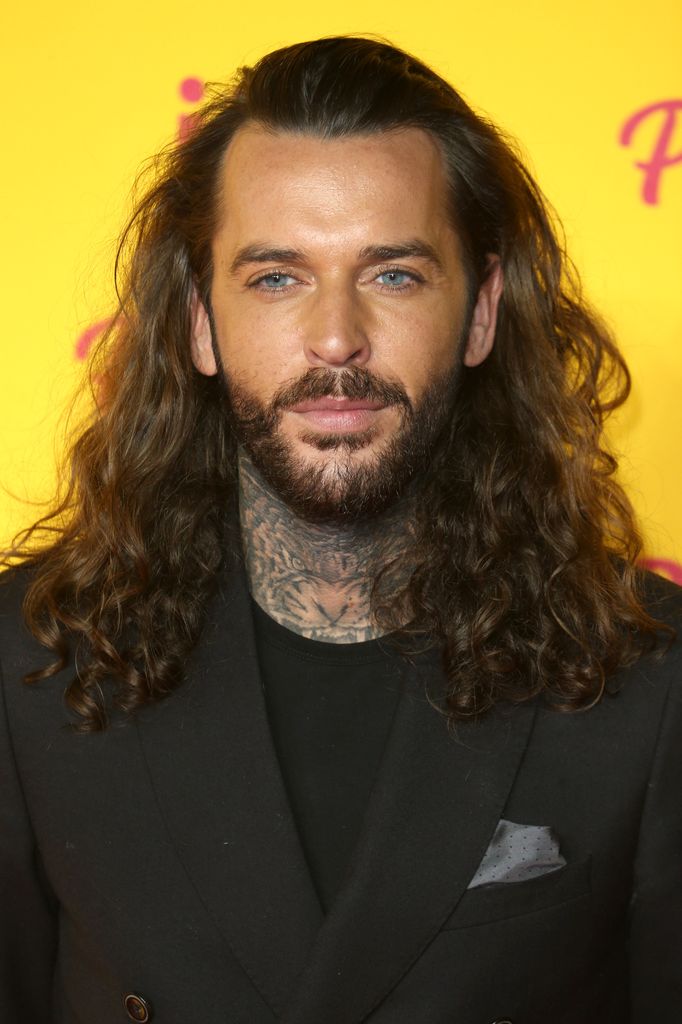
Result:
[{"x": 592, "y": 90}]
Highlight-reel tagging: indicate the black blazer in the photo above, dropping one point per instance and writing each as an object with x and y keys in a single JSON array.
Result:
[{"x": 160, "y": 859}]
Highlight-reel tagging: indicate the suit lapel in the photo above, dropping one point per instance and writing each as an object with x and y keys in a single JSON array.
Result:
[
  {"x": 217, "y": 779},
  {"x": 433, "y": 811},
  {"x": 435, "y": 805}
]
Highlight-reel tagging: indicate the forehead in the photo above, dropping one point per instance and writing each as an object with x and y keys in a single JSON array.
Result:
[{"x": 387, "y": 181}]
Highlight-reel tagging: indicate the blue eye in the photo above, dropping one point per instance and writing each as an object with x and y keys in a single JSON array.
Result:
[
  {"x": 395, "y": 278},
  {"x": 275, "y": 281}
]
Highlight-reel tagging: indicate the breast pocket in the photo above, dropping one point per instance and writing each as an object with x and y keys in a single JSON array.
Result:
[{"x": 500, "y": 900}]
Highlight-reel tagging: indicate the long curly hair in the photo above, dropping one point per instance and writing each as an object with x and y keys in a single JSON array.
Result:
[{"x": 526, "y": 576}]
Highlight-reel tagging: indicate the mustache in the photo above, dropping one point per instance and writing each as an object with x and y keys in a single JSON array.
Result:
[{"x": 353, "y": 382}]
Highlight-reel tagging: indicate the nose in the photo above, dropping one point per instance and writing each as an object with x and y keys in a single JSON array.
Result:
[{"x": 337, "y": 328}]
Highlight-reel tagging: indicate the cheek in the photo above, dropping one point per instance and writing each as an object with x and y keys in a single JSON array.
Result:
[
  {"x": 422, "y": 349},
  {"x": 255, "y": 349}
]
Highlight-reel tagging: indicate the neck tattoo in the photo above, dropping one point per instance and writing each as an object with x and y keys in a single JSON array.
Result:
[{"x": 315, "y": 579}]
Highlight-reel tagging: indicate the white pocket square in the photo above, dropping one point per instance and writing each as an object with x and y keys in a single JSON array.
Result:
[{"x": 518, "y": 852}]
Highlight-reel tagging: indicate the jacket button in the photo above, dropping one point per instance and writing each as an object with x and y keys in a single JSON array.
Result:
[{"x": 137, "y": 1008}]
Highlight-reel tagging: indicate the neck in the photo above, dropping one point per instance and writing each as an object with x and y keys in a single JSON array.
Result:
[{"x": 315, "y": 579}]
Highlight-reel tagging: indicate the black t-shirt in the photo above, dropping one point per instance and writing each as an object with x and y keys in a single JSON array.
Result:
[{"x": 330, "y": 708}]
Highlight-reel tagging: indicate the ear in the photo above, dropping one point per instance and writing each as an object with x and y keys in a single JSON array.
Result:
[
  {"x": 482, "y": 331},
  {"x": 200, "y": 337}
]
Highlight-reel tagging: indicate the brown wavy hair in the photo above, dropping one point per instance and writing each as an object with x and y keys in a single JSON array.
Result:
[{"x": 526, "y": 573}]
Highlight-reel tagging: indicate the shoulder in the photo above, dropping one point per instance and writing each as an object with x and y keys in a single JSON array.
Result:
[
  {"x": 14, "y": 583},
  {"x": 662, "y": 598},
  {"x": 21, "y": 653},
  {"x": 14, "y": 632},
  {"x": 643, "y": 701},
  {"x": 639, "y": 700},
  {"x": 663, "y": 601}
]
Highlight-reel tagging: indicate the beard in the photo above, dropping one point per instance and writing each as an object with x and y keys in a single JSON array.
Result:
[{"x": 345, "y": 488}]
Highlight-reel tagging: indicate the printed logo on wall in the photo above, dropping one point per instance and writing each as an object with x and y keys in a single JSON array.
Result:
[{"x": 662, "y": 156}]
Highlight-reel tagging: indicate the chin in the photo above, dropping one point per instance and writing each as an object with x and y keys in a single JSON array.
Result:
[
  {"x": 338, "y": 446},
  {"x": 335, "y": 487}
]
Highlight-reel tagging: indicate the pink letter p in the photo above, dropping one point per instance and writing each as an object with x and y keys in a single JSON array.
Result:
[{"x": 660, "y": 158}]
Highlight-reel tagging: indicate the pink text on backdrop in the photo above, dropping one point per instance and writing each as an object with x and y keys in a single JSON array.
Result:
[
  {"x": 664, "y": 567},
  {"x": 85, "y": 341},
  {"x": 661, "y": 157},
  {"x": 192, "y": 91}
]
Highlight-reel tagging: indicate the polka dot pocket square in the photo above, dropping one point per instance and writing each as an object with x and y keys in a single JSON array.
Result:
[{"x": 518, "y": 852}]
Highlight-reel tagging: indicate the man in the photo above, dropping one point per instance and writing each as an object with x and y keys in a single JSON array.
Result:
[{"x": 335, "y": 694}]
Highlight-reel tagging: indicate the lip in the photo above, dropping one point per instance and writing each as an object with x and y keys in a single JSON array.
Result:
[
  {"x": 328, "y": 404},
  {"x": 343, "y": 415}
]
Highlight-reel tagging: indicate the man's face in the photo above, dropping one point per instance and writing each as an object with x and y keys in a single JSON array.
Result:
[{"x": 339, "y": 298}]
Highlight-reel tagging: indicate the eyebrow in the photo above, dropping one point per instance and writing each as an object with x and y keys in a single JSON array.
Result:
[
  {"x": 265, "y": 254},
  {"x": 413, "y": 249}
]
